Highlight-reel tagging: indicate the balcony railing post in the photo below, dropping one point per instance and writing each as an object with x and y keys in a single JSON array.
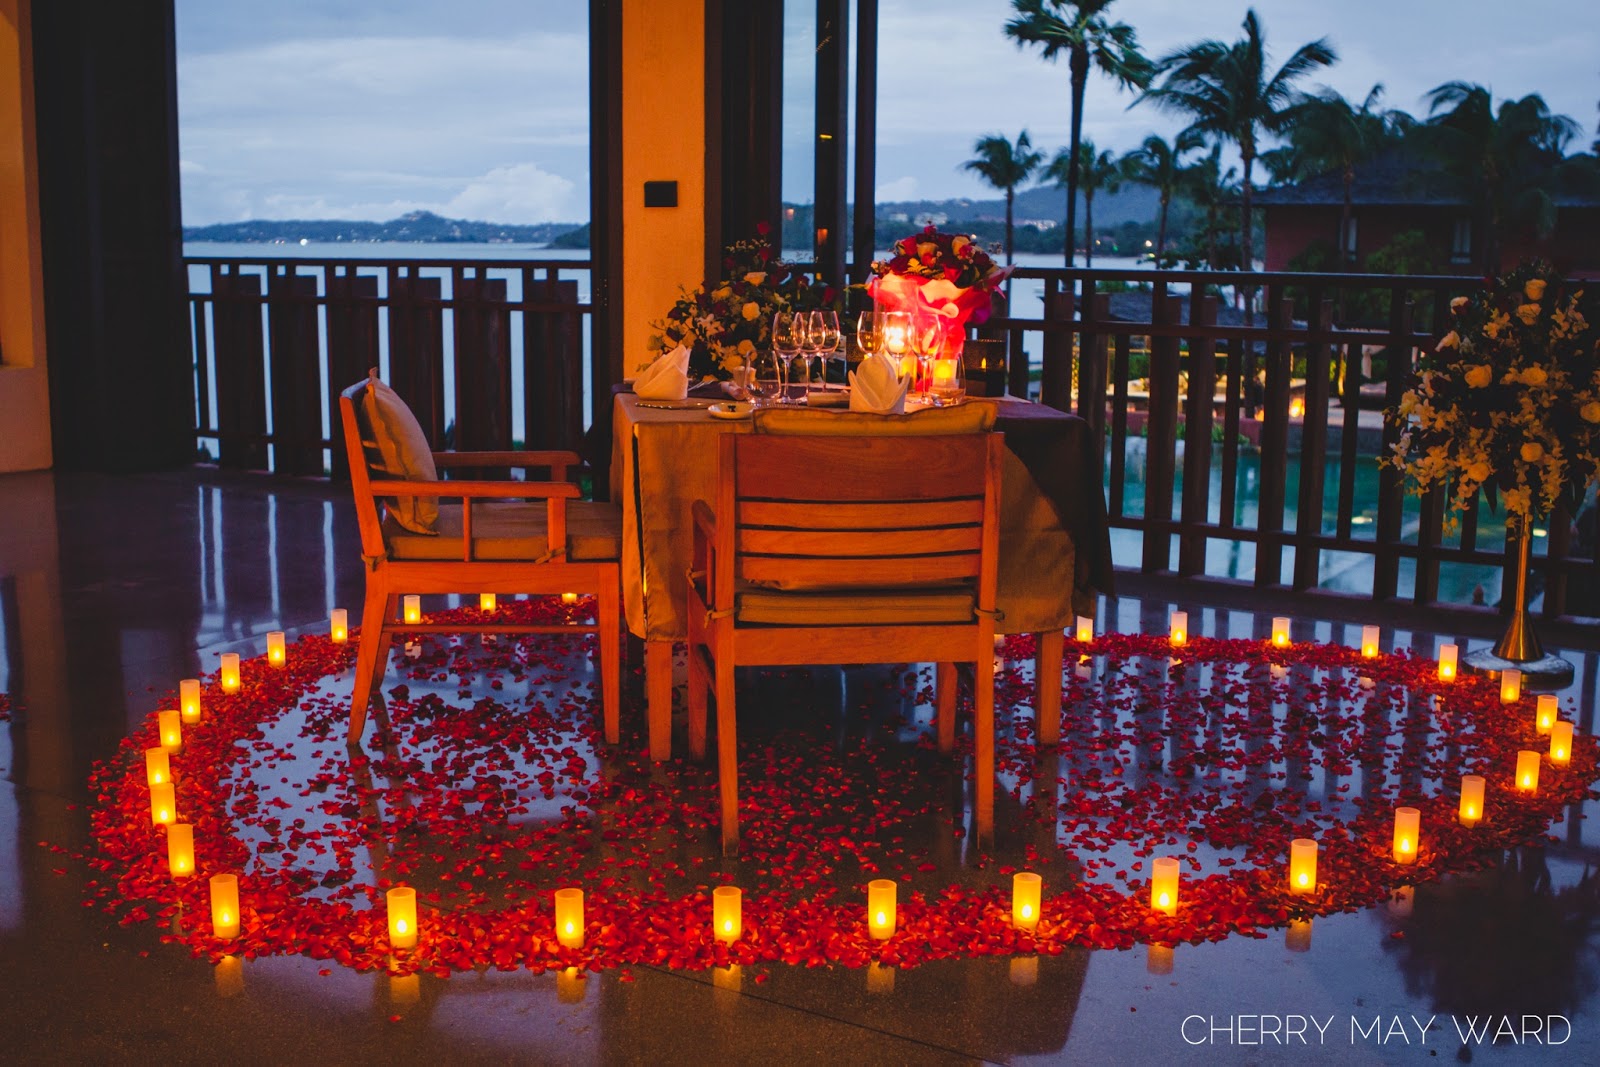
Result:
[
  {"x": 1274, "y": 439},
  {"x": 1197, "y": 423},
  {"x": 1313, "y": 447},
  {"x": 1055, "y": 376},
  {"x": 1161, "y": 434},
  {"x": 1391, "y": 492}
]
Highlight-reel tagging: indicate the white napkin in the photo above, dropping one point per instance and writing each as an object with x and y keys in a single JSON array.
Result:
[
  {"x": 876, "y": 386},
  {"x": 665, "y": 379}
]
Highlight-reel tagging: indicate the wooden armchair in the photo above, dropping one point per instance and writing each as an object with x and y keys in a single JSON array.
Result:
[
  {"x": 846, "y": 550},
  {"x": 504, "y": 536}
]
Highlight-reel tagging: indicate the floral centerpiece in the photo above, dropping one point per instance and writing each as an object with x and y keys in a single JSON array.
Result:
[
  {"x": 945, "y": 275},
  {"x": 725, "y": 322}
]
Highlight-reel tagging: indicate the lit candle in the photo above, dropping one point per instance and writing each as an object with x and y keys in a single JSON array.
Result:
[
  {"x": 411, "y": 607},
  {"x": 1369, "y": 641},
  {"x": 1085, "y": 629},
  {"x": 486, "y": 602},
  {"x": 225, "y": 906},
  {"x": 1548, "y": 709},
  {"x": 1164, "y": 885},
  {"x": 1298, "y": 937},
  {"x": 1561, "y": 743},
  {"x": 229, "y": 673},
  {"x": 402, "y": 901},
  {"x": 1025, "y": 889},
  {"x": 1280, "y": 631},
  {"x": 569, "y": 598},
  {"x": 880, "y": 908},
  {"x": 157, "y": 767},
  {"x": 1471, "y": 799},
  {"x": 1302, "y": 865},
  {"x": 1527, "y": 771},
  {"x": 1407, "y": 827},
  {"x": 277, "y": 654},
  {"x": 171, "y": 732},
  {"x": 727, "y": 913},
  {"x": 1180, "y": 627},
  {"x": 339, "y": 626},
  {"x": 189, "y": 700},
  {"x": 1447, "y": 662},
  {"x": 163, "y": 804},
  {"x": 180, "y": 850},
  {"x": 569, "y": 917},
  {"x": 1510, "y": 685}
]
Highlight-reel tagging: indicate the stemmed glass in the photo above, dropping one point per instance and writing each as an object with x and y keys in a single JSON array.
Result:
[
  {"x": 869, "y": 332},
  {"x": 766, "y": 378},
  {"x": 927, "y": 341},
  {"x": 788, "y": 337},
  {"x": 822, "y": 331},
  {"x": 895, "y": 338}
]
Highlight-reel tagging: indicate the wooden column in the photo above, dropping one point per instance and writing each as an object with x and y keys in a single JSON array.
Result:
[
  {"x": 832, "y": 131},
  {"x": 745, "y": 84},
  {"x": 864, "y": 221}
]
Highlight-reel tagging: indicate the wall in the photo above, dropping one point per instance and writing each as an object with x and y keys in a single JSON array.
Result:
[
  {"x": 663, "y": 139},
  {"x": 24, "y": 387}
]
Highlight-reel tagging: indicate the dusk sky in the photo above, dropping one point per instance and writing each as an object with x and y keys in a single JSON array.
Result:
[{"x": 366, "y": 109}]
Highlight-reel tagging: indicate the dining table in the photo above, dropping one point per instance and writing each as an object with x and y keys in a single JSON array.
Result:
[{"x": 1055, "y": 546}]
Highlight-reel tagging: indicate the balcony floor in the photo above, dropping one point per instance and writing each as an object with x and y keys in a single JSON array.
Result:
[{"x": 113, "y": 588}]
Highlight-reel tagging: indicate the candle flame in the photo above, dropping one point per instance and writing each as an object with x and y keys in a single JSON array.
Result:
[
  {"x": 1446, "y": 671},
  {"x": 1527, "y": 781},
  {"x": 881, "y": 919},
  {"x": 401, "y": 926},
  {"x": 727, "y": 926},
  {"x": 1304, "y": 880},
  {"x": 1472, "y": 812},
  {"x": 226, "y": 918},
  {"x": 1166, "y": 900},
  {"x": 1281, "y": 640},
  {"x": 1405, "y": 844},
  {"x": 1027, "y": 911},
  {"x": 569, "y": 927}
]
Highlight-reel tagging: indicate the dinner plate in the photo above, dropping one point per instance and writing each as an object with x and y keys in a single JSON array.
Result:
[{"x": 731, "y": 409}]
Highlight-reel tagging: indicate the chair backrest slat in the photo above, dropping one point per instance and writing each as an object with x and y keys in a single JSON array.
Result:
[
  {"x": 849, "y": 469},
  {"x": 844, "y": 574},
  {"x": 888, "y": 515},
  {"x": 861, "y": 544}
]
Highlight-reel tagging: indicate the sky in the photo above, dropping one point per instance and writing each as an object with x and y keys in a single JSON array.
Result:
[{"x": 367, "y": 109}]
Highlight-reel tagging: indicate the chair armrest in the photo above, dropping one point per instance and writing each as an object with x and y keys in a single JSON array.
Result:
[
  {"x": 557, "y": 460},
  {"x": 471, "y": 490},
  {"x": 703, "y": 554}
]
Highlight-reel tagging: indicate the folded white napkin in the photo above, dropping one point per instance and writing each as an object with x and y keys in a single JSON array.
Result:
[
  {"x": 665, "y": 379},
  {"x": 876, "y": 386}
]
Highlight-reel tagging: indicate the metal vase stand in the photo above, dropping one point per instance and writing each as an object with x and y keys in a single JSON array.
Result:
[{"x": 1519, "y": 647}]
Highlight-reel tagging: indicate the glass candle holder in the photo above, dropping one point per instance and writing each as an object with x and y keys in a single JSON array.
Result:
[
  {"x": 569, "y": 917},
  {"x": 1026, "y": 888},
  {"x": 727, "y": 913},
  {"x": 225, "y": 906},
  {"x": 1471, "y": 799},
  {"x": 1302, "y": 865},
  {"x": 189, "y": 700},
  {"x": 1561, "y": 744},
  {"x": 947, "y": 387},
  {"x": 881, "y": 908},
  {"x": 1164, "y": 885},
  {"x": 1407, "y": 834},
  {"x": 1448, "y": 660},
  {"x": 339, "y": 626},
  {"x": 402, "y": 903}
]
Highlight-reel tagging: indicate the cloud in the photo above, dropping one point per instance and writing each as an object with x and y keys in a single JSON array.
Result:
[
  {"x": 520, "y": 193},
  {"x": 899, "y": 189}
]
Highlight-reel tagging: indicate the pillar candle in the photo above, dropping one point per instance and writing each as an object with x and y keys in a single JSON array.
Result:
[
  {"x": 1561, "y": 743},
  {"x": 277, "y": 653},
  {"x": 1085, "y": 631},
  {"x": 569, "y": 917},
  {"x": 1280, "y": 631},
  {"x": 1407, "y": 836},
  {"x": 163, "y": 804},
  {"x": 189, "y": 700},
  {"x": 339, "y": 626},
  {"x": 1510, "y": 685},
  {"x": 229, "y": 672},
  {"x": 569, "y": 598},
  {"x": 1025, "y": 892},
  {"x": 225, "y": 906},
  {"x": 1164, "y": 885},
  {"x": 402, "y": 901},
  {"x": 1547, "y": 711},
  {"x": 157, "y": 767},
  {"x": 1471, "y": 799},
  {"x": 1447, "y": 662},
  {"x": 1527, "y": 771},
  {"x": 180, "y": 850},
  {"x": 1369, "y": 641},
  {"x": 486, "y": 602},
  {"x": 1180, "y": 627},
  {"x": 880, "y": 908},
  {"x": 171, "y": 732},
  {"x": 411, "y": 607},
  {"x": 1302, "y": 865},
  {"x": 727, "y": 913}
]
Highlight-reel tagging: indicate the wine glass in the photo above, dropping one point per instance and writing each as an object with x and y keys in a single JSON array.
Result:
[
  {"x": 767, "y": 377},
  {"x": 788, "y": 336},
  {"x": 927, "y": 341},
  {"x": 823, "y": 331},
  {"x": 869, "y": 332},
  {"x": 895, "y": 338}
]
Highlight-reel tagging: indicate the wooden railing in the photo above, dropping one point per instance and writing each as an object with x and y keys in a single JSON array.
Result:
[
  {"x": 1219, "y": 389},
  {"x": 486, "y": 352}
]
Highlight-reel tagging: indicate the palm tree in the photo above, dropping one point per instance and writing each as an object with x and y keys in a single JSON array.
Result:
[
  {"x": 1081, "y": 30},
  {"x": 1158, "y": 164},
  {"x": 1004, "y": 166},
  {"x": 1096, "y": 171},
  {"x": 1227, "y": 92},
  {"x": 1209, "y": 187},
  {"x": 1504, "y": 162}
]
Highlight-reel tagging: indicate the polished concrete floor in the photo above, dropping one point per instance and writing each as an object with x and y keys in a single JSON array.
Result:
[{"x": 111, "y": 588}]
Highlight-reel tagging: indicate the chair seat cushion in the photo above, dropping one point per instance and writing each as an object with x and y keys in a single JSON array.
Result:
[
  {"x": 514, "y": 530},
  {"x": 863, "y": 608}
]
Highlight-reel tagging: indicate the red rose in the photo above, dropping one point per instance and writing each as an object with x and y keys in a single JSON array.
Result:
[
  {"x": 764, "y": 254},
  {"x": 952, "y": 273},
  {"x": 763, "y": 227},
  {"x": 828, "y": 294}
]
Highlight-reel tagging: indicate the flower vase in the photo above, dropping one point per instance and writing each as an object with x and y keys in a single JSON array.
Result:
[{"x": 1519, "y": 646}]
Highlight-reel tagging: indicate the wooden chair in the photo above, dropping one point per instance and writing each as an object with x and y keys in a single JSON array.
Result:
[
  {"x": 846, "y": 550},
  {"x": 504, "y": 536}
]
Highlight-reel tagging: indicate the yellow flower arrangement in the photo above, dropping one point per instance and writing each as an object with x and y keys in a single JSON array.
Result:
[{"x": 1509, "y": 400}]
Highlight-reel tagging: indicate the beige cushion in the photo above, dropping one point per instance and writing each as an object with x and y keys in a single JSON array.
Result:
[
  {"x": 514, "y": 530},
  {"x": 975, "y": 416},
  {"x": 867, "y": 608},
  {"x": 404, "y": 451}
]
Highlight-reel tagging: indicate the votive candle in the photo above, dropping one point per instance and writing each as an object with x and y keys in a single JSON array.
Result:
[
  {"x": 1407, "y": 833},
  {"x": 1164, "y": 885},
  {"x": 1280, "y": 631},
  {"x": 1180, "y": 628},
  {"x": 163, "y": 804},
  {"x": 277, "y": 653},
  {"x": 1510, "y": 685},
  {"x": 1302, "y": 865},
  {"x": 402, "y": 901},
  {"x": 1547, "y": 711},
  {"x": 1561, "y": 743},
  {"x": 880, "y": 908},
  {"x": 157, "y": 767},
  {"x": 569, "y": 598},
  {"x": 180, "y": 849},
  {"x": 225, "y": 906},
  {"x": 569, "y": 917},
  {"x": 1085, "y": 631},
  {"x": 167, "y": 724},
  {"x": 486, "y": 602},
  {"x": 189, "y": 700},
  {"x": 1369, "y": 641},
  {"x": 1471, "y": 799},
  {"x": 229, "y": 672},
  {"x": 727, "y": 913},
  {"x": 1448, "y": 657},
  {"x": 339, "y": 626},
  {"x": 1528, "y": 771},
  {"x": 1025, "y": 891},
  {"x": 411, "y": 607}
]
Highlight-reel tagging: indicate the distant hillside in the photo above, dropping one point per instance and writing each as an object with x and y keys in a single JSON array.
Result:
[
  {"x": 1134, "y": 203},
  {"x": 421, "y": 226}
]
